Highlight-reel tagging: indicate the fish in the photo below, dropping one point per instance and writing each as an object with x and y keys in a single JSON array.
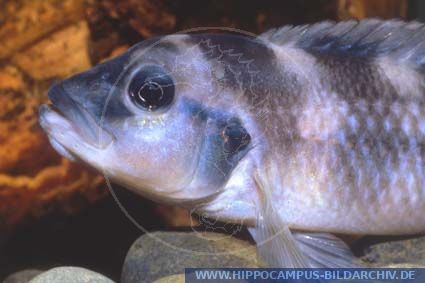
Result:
[{"x": 303, "y": 133}]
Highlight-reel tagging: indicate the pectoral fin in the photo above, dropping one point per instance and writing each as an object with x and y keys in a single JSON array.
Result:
[
  {"x": 279, "y": 247},
  {"x": 275, "y": 242},
  {"x": 325, "y": 250}
]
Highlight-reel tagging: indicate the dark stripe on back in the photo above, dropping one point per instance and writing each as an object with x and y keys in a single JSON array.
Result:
[
  {"x": 354, "y": 79},
  {"x": 249, "y": 63}
]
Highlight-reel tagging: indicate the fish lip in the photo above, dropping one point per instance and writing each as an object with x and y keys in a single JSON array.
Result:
[{"x": 82, "y": 121}]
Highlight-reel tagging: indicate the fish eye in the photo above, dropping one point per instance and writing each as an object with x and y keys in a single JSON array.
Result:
[{"x": 151, "y": 88}]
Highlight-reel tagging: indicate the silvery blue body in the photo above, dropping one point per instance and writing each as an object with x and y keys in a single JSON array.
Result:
[{"x": 325, "y": 123}]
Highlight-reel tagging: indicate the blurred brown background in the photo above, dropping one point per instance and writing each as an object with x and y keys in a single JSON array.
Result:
[{"x": 47, "y": 202}]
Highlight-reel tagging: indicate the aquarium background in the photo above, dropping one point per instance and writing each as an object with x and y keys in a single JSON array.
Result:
[{"x": 54, "y": 212}]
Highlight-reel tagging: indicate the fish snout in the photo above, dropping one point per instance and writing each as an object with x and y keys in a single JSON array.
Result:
[
  {"x": 59, "y": 98},
  {"x": 83, "y": 121}
]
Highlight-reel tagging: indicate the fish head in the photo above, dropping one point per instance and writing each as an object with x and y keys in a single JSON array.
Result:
[{"x": 155, "y": 119}]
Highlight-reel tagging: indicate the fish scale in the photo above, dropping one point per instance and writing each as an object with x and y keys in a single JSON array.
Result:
[{"x": 365, "y": 158}]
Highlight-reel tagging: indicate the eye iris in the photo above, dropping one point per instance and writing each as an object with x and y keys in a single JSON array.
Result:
[{"x": 151, "y": 88}]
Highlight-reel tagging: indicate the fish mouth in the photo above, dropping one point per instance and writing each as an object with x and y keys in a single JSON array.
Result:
[{"x": 65, "y": 117}]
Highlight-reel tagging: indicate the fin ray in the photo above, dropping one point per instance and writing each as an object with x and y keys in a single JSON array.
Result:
[
  {"x": 275, "y": 243},
  {"x": 279, "y": 247},
  {"x": 325, "y": 250},
  {"x": 396, "y": 39}
]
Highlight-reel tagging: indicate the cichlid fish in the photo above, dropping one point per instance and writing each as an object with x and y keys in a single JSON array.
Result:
[{"x": 301, "y": 133}]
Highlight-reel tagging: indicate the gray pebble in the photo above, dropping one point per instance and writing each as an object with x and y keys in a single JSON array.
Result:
[
  {"x": 161, "y": 254},
  {"x": 70, "y": 274},
  {"x": 23, "y": 276},
  {"x": 407, "y": 251}
]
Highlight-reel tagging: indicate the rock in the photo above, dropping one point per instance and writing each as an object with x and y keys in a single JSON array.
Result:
[
  {"x": 38, "y": 39},
  {"x": 410, "y": 252},
  {"x": 34, "y": 179},
  {"x": 24, "y": 21},
  {"x": 59, "y": 55},
  {"x": 147, "y": 17},
  {"x": 22, "y": 276},
  {"x": 405, "y": 265},
  {"x": 178, "y": 250},
  {"x": 157, "y": 17},
  {"x": 147, "y": 257},
  {"x": 11, "y": 78},
  {"x": 360, "y": 9},
  {"x": 176, "y": 278},
  {"x": 70, "y": 274}
]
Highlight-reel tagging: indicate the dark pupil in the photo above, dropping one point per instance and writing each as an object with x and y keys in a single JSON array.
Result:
[
  {"x": 150, "y": 94},
  {"x": 151, "y": 88}
]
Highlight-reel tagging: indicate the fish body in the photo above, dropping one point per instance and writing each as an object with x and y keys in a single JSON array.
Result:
[{"x": 317, "y": 128}]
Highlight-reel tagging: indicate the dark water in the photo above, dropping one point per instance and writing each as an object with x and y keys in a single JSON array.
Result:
[{"x": 97, "y": 238}]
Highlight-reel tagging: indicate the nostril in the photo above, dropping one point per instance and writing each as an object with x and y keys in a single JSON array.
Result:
[
  {"x": 61, "y": 99},
  {"x": 55, "y": 93}
]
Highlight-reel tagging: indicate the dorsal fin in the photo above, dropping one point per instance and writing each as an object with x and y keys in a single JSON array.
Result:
[{"x": 400, "y": 41}]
